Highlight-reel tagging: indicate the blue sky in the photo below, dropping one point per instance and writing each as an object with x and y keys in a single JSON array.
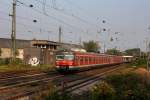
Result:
[{"x": 81, "y": 19}]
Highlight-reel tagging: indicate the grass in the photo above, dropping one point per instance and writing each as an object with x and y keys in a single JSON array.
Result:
[
  {"x": 21, "y": 67},
  {"x": 139, "y": 63}
]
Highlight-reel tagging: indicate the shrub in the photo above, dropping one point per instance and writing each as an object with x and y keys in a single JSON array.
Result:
[
  {"x": 8, "y": 61},
  {"x": 56, "y": 95},
  {"x": 129, "y": 86},
  {"x": 17, "y": 61},
  {"x": 139, "y": 62},
  {"x": 4, "y": 61},
  {"x": 102, "y": 91}
]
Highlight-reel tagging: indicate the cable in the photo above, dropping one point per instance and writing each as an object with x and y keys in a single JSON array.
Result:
[
  {"x": 26, "y": 26},
  {"x": 61, "y": 21},
  {"x": 20, "y": 17},
  {"x": 68, "y": 14}
]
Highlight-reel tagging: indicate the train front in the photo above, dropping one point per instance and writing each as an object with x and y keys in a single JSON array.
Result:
[{"x": 64, "y": 61}]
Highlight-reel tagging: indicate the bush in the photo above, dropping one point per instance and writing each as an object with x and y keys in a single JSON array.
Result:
[
  {"x": 7, "y": 61},
  {"x": 56, "y": 95},
  {"x": 17, "y": 61},
  {"x": 130, "y": 86},
  {"x": 4, "y": 61},
  {"x": 139, "y": 62},
  {"x": 102, "y": 91}
]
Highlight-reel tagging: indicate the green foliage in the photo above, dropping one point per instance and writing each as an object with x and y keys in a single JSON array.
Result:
[
  {"x": 5, "y": 61},
  {"x": 52, "y": 95},
  {"x": 17, "y": 52},
  {"x": 62, "y": 48},
  {"x": 133, "y": 52},
  {"x": 23, "y": 67},
  {"x": 102, "y": 91},
  {"x": 113, "y": 52},
  {"x": 17, "y": 61},
  {"x": 91, "y": 46},
  {"x": 55, "y": 95},
  {"x": 8, "y": 62},
  {"x": 130, "y": 86},
  {"x": 139, "y": 62}
]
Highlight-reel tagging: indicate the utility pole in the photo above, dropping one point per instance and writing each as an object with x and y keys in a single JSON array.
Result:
[
  {"x": 80, "y": 41},
  {"x": 148, "y": 58},
  {"x": 104, "y": 48},
  {"x": 60, "y": 34},
  {"x": 13, "y": 34},
  {"x": 147, "y": 50}
]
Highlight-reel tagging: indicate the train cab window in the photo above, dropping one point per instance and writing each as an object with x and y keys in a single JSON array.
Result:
[
  {"x": 69, "y": 57},
  {"x": 64, "y": 57}
]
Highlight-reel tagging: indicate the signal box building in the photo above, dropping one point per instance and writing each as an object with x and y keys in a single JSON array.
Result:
[{"x": 43, "y": 50}]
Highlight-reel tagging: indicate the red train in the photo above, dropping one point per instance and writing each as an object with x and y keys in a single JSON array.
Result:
[{"x": 69, "y": 60}]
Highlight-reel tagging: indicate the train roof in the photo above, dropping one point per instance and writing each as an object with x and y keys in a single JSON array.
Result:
[
  {"x": 83, "y": 53},
  {"x": 128, "y": 56}
]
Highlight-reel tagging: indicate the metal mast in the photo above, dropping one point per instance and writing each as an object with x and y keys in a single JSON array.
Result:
[
  {"x": 60, "y": 34},
  {"x": 13, "y": 34}
]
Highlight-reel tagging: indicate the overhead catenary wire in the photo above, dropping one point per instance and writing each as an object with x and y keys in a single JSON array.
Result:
[
  {"x": 56, "y": 19},
  {"x": 41, "y": 11},
  {"x": 80, "y": 9},
  {"x": 66, "y": 13},
  {"x": 24, "y": 18},
  {"x": 27, "y": 27}
]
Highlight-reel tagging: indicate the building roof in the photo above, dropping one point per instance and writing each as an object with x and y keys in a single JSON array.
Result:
[
  {"x": 6, "y": 43},
  {"x": 44, "y": 42}
]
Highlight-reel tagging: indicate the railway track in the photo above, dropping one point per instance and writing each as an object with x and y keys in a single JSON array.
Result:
[
  {"x": 25, "y": 78},
  {"x": 80, "y": 84},
  {"x": 11, "y": 74},
  {"x": 27, "y": 89}
]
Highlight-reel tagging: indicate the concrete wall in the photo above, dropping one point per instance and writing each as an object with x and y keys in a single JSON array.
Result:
[
  {"x": 48, "y": 57},
  {"x": 44, "y": 56},
  {"x": 6, "y": 53},
  {"x": 30, "y": 53}
]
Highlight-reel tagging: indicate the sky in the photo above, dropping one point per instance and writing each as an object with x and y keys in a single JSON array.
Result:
[{"x": 127, "y": 22}]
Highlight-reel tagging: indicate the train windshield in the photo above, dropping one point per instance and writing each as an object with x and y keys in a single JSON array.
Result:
[{"x": 64, "y": 57}]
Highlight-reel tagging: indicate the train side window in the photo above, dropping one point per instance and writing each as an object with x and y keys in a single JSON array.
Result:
[
  {"x": 77, "y": 59},
  {"x": 80, "y": 58},
  {"x": 89, "y": 59}
]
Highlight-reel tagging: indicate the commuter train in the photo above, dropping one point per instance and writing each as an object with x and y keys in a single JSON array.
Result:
[{"x": 70, "y": 60}]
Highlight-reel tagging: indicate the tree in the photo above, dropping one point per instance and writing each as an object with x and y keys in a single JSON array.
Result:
[
  {"x": 91, "y": 46},
  {"x": 113, "y": 52},
  {"x": 133, "y": 52}
]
